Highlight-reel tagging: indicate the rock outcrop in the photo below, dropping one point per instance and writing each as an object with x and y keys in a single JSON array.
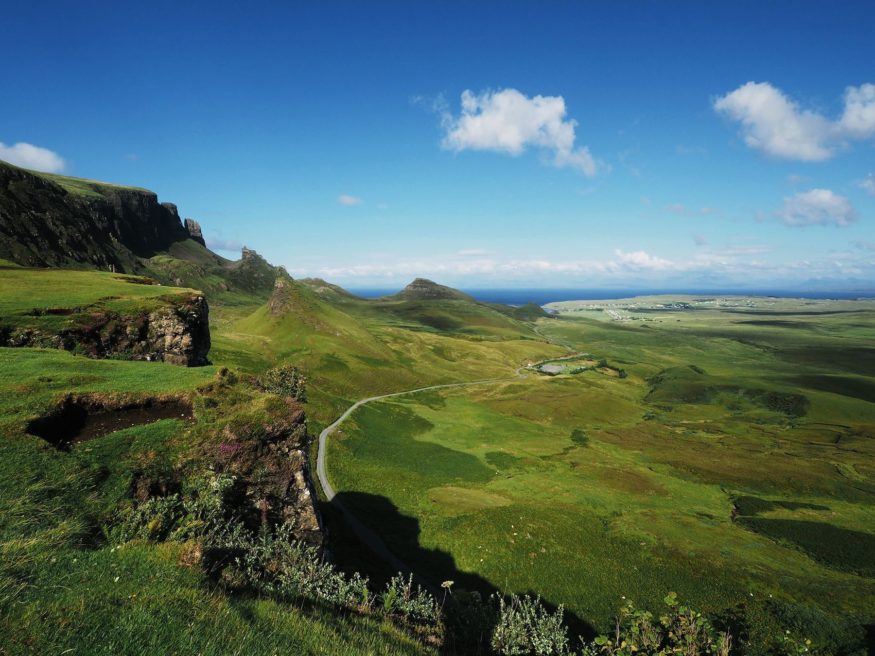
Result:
[
  {"x": 67, "y": 222},
  {"x": 193, "y": 228},
  {"x": 175, "y": 330}
]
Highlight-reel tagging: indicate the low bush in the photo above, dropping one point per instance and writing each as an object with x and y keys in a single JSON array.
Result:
[{"x": 285, "y": 380}]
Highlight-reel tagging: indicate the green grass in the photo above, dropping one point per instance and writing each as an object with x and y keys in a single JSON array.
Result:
[
  {"x": 62, "y": 589},
  {"x": 79, "y": 186},
  {"x": 52, "y": 299},
  {"x": 488, "y": 486}
]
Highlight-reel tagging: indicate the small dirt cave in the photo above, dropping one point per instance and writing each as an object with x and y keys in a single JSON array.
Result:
[{"x": 76, "y": 420}]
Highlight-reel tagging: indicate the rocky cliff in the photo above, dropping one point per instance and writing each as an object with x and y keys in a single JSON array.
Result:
[
  {"x": 48, "y": 220},
  {"x": 172, "y": 329}
]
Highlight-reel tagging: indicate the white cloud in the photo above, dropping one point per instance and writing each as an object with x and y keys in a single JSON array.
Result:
[
  {"x": 776, "y": 125},
  {"x": 473, "y": 252},
  {"x": 858, "y": 120},
  {"x": 817, "y": 207},
  {"x": 349, "y": 201},
  {"x": 641, "y": 260},
  {"x": 508, "y": 121},
  {"x": 32, "y": 157},
  {"x": 867, "y": 184}
]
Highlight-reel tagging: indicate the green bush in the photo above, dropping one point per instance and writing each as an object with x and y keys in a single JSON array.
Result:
[
  {"x": 524, "y": 626},
  {"x": 680, "y": 630},
  {"x": 285, "y": 380}
]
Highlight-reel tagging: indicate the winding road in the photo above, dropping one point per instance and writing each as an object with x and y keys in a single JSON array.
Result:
[{"x": 365, "y": 534}]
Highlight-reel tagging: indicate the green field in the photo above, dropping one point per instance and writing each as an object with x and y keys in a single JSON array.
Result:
[
  {"x": 732, "y": 464},
  {"x": 722, "y": 450}
]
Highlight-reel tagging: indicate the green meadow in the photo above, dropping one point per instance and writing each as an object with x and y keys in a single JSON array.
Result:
[{"x": 732, "y": 464}]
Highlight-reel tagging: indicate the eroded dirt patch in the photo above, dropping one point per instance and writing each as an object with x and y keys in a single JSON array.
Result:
[{"x": 76, "y": 420}]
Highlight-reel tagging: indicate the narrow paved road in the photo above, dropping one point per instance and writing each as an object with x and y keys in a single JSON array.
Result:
[{"x": 364, "y": 533}]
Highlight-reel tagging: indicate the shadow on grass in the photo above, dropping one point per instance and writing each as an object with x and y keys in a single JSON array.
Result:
[{"x": 368, "y": 534}]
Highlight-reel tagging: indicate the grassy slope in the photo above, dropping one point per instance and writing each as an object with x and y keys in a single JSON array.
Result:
[
  {"x": 350, "y": 348},
  {"x": 78, "y": 186},
  {"x": 60, "y": 587},
  {"x": 500, "y": 489},
  {"x": 29, "y": 292}
]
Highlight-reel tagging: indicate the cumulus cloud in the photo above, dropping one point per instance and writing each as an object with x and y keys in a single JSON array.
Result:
[
  {"x": 817, "y": 207},
  {"x": 867, "y": 184},
  {"x": 858, "y": 120},
  {"x": 349, "y": 201},
  {"x": 641, "y": 260},
  {"x": 778, "y": 126},
  {"x": 32, "y": 157},
  {"x": 508, "y": 121}
]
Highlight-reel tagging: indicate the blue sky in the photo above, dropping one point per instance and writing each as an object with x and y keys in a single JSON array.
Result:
[{"x": 600, "y": 144}]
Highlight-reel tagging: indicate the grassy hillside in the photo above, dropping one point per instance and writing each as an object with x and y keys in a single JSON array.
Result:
[
  {"x": 732, "y": 464},
  {"x": 350, "y": 348},
  {"x": 65, "y": 589}
]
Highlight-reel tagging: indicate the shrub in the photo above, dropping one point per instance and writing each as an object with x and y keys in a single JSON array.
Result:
[
  {"x": 524, "y": 626},
  {"x": 285, "y": 380},
  {"x": 402, "y": 599},
  {"x": 681, "y": 630}
]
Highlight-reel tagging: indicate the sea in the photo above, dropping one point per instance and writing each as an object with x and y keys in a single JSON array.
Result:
[{"x": 539, "y": 296}]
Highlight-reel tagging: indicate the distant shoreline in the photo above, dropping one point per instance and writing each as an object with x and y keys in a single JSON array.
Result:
[{"x": 547, "y": 295}]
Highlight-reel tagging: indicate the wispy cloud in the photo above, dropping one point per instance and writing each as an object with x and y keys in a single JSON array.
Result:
[
  {"x": 32, "y": 157},
  {"x": 797, "y": 179},
  {"x": 682, "y": 210},
  {"x": 867, "y": 184},
  {"x": 740, "y": 263},
  {"x": 473, "y": 252},
  {"x": 817, "y": 207},
  {"x": 777, "y": 125},
  {"x": 510, "y": 122},
  {"x": 349, "y": 201},
  {"x": 227, "y": 245}
]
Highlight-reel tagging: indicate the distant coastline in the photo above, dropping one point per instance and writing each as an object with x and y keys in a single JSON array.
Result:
[{"x": 547, "y": 295}]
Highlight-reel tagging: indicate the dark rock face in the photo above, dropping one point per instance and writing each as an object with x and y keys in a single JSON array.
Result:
[
  {"x": 106, "y": 227},
  {"x": 177, "y": 332},
  {"x": 193, "y": 228},
  {"x": 253, "y": 273},
  {"x": 273, "y": 470}
]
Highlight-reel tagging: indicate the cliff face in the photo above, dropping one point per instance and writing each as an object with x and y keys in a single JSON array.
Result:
[
  {"x": 176, "y": 330},
  {"x": 53, "y": 221}
]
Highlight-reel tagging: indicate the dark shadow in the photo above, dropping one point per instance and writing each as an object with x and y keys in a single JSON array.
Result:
[
  {"x": 392, "y": 544},
  {"x": 836, "y": 547}
]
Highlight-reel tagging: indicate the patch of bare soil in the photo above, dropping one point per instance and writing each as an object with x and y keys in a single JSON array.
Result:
[{"x": 79, "y": 420}]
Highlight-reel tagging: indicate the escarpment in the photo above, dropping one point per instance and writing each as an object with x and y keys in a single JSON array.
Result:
[
  {"x": 173, "y": 329},
  {"x": 55, "y": 221}
]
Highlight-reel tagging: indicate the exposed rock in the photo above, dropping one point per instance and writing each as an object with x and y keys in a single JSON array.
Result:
[
  {"x": 269, "y": 458},
  {"x": 193, "y": 228},
  {"x": 177, "y": 331},
  {"x": 253, "y": 273},
  {"x": 281, "y": 301},
  {"x": 55, "y": 221}
]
